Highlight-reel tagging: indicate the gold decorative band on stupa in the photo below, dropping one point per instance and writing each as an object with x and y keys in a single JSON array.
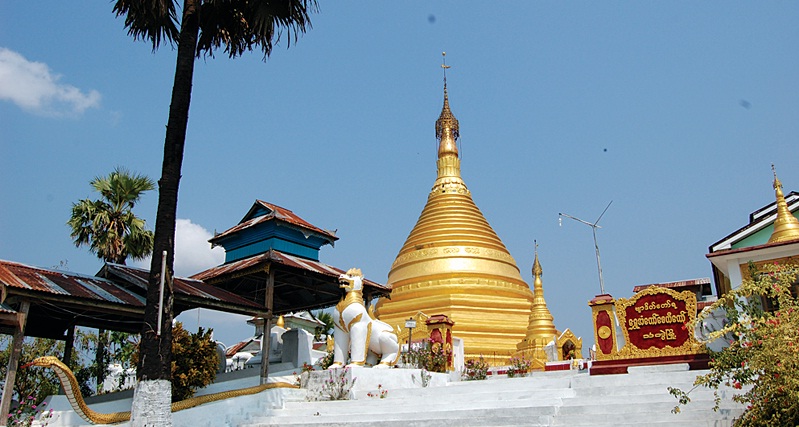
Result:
[{"x": 786, "y": 226}]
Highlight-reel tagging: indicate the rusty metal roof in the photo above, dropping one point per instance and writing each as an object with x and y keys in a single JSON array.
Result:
[
  {"x": 114, "y": 301},
  {"x": 279, "y": 258},
  {"x": 183, "y": 287},
  {"x": 278, "y": 213},
  {"x": 26, "y": 279},
  {"x": 702, "y": 283}
]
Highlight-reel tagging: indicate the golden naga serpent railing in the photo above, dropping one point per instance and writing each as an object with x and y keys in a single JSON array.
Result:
[{"x": 72, "y": 391}]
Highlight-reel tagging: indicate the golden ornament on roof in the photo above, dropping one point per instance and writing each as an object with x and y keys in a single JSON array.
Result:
[{"x": 786, "y": 226}]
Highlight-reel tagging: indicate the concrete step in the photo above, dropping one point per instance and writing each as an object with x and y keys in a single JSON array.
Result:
[
  {"x": 610, "y": 396},
  {"x": 491, "y": 421},
  {"x": 546, "y": 406},
  {"x": 651, "y": 417},
  {"x": 424, "y": 416},
  {"x": 456, "y": 394}
]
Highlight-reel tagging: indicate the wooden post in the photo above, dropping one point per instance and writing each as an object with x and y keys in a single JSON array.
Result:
[
  {"x": 69, "y": 344},
  {"x": 13, "y": 361},
  {"x": 99, "y": 356},
  {"x": 269, "y": 301}
]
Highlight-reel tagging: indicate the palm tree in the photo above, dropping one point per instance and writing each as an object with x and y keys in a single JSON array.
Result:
[
  {"x": 108, "y": 225},
  {"x": 326, "y": 318},
  {"x": 204, "y": 26}
]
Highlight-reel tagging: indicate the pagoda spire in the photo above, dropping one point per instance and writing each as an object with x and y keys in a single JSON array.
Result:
[
  {"x": 447, "y": 133},
  {"x": 447, "y": 128},
  {"x": 538, "y": 285},
  {"x": 541, "y": 329},
  {"x": 786, "y": 226}
]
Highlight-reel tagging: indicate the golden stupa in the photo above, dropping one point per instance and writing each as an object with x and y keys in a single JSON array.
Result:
[
  {"x": 540, "y": 328},
  {"x": 786, "y": 226},
  {"x": 453, "y": 263}
]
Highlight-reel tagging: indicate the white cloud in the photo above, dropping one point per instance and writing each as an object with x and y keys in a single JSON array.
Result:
[
  {"x": 193, "y": 253},
  {"x": 34, "y": 88}
]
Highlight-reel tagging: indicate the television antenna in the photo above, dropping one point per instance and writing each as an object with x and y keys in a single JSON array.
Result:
[{"x": 594, "y": 225}]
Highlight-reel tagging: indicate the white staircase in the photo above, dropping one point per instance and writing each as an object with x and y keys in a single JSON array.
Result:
[{"x": 639, "y": 398}]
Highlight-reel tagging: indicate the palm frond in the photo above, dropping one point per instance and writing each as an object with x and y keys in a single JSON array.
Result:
[
  {"x": 153, "y": 20},
  {"x": 242, "y": 25}
]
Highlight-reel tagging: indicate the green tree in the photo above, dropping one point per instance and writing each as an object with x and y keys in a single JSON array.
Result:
[
  {"x": 108, "y": 225},
  {"x": 38, "y": 383},
  {"x": 113, "y": 233},
  {"x": 762, "y": 360},
  {"x": 204, "y": 26}
]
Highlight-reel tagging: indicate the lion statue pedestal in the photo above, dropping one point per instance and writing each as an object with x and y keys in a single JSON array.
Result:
[{"x": 358, "y": 336}]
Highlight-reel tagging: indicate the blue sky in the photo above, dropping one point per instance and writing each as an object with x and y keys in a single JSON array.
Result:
[{"x": 673, "y": 110}]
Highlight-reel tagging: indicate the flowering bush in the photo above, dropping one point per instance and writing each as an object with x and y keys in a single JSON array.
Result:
[
  {"x": 381, "y": 392},
  {"x": 475, "y": 369},
  {"x": 433, "y": 358},
  {"x": 299, "y": 380},
  {"x": 763, "y": 353},
  {"x": 519, "y": 366},
  {"x": 26, "y": 412},
  {"x": 337, "y": 386}
]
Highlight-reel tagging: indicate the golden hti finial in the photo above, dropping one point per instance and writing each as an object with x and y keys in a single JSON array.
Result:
[
  {"x": 537, "y": 270},
  {"x": 447, "y": 129},
  {"x": 786, "y": 226},
  {"x": 281, "y": 322}
]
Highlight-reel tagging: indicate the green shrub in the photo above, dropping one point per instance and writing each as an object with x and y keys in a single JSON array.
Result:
[{"x": 194, "y": 361}]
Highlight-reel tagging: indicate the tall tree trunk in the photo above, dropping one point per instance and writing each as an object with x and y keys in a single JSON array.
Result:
[{"x": 155, "y": 359}]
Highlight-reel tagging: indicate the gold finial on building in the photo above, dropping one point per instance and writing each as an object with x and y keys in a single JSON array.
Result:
[
  {"x": 281, "y": 322},
  {"x": 447, "y": 132},
  {"x": 786, "y": 226},
  {"x": 537, "y": 271},
  {"x": 447, "y": 128}
]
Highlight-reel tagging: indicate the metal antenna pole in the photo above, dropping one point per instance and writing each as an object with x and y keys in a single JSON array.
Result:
[{"x": 594, "y": 225}]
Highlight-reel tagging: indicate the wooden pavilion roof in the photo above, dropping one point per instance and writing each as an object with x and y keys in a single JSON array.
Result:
[
  {"x": 300, "y": 283},
  {"x": 61, "y": 299}
]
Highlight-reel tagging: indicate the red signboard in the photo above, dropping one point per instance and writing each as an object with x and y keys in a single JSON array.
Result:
[{"x": 657, "y": 320}]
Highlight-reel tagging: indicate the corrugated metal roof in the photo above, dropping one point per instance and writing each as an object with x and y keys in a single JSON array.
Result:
[
  {"x": 279, "y": 258},
  {"x": 278, "y": 213},
  {"x": 676, "y": 285},
  {"x": 7, "y": 309},
  {"x": 24, "y": 277},
  {"x": 182, "y": 286}
]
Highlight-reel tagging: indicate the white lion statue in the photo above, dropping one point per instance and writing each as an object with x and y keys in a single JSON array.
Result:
[{"x": 357, "y": 333}]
